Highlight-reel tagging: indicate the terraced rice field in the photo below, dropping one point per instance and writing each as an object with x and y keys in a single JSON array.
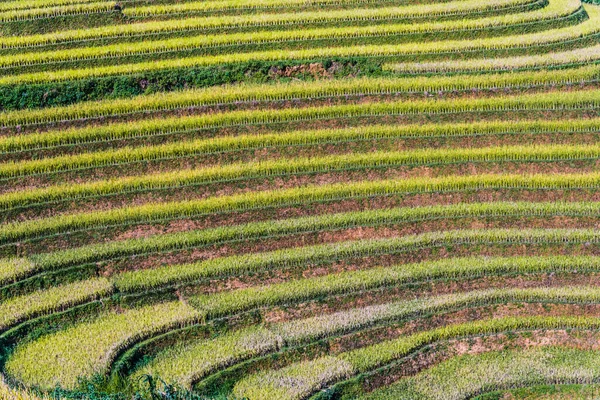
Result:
[{"x": 299, "y": 199}]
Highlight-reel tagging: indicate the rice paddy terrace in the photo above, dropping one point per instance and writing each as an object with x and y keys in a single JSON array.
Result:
[{"x": 299, "y": 199}]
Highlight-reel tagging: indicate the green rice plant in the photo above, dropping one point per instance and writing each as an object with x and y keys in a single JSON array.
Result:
[
  {"x": 411, "y": 11},
  {"x": 495, "y": 370},
  {"x": 552, "y": 101},
  {"x": 299, "y": 380},
  {"x": 17, "y": 309},
  {"x": 81, "y": 350},
  {"x": 296, "y": 381},
  {"x": 279, "y": 167},
  {"x": 587, "y": 28},
  {"x": 314, "y": 328},
  {"x": 181, "y": 363},
  {"x": 233, "y": 5},
  {"x": 31, "y": 4},
  {"x": 557, "y": 9},
  {"x": 206, "y": 23},
  {"x": 88, "y": 348},
  {"x": 11, "y": 269},
  {"x": 155, "y": 212},
  {"x": 253, "y": 231},
  {"x": 568, "y": 58},
  {"x": 560, "y": 391},
  {"x": 186, "y": 363},
  {"x": 6, "y": 392},
  {"x": 57, "y": 10},
  {"x": 244, "y": 142},
  {"x": 368, "y": 358},
  {"x": 242, "y": 300},
  {"x": 246, "y": 92},
  {"x": 241, "y": 171}
]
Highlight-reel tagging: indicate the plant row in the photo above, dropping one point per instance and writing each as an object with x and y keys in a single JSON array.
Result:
[
  {"x": 284, "y": 167},
  {"x": 496, "y": 370},
  {"x": 246, "y": 142},
  {"x": 257, "y": 92},
  {"x": 300, "y": 196},
  {"x": 551, "y": 101},
  {"x": 187, "y": 363},
  {"x": 567, "y": 58},
  {"x": 14, "y": 269},
  {"x": 298, "y": 381},
  {"x": 18, "y": 309},
  {"x": 433, "y": 10},
  {"x": 58, "y": 10},
  {"x": 296, "y": 138},
  {"x": 207, "y": 23},
  {"x": 586, "y": 29},
  {"x": 13, "y": 394},
  {"x": 31, "y": 4},
  {"x": 222, "y": 304},
  {"x": 89, "y": 348},
  {"x": 557, "y": 9}
]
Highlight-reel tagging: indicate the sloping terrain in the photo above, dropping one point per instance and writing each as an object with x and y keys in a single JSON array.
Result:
[{"x": 294, "y": 199}]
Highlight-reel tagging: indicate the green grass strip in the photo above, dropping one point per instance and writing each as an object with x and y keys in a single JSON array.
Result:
[
  {"x": 552, "y": 101},
  {"x": 299, "y": 380},
  {"x": 186, "y": 363},
  {"x": 500, "y": 370},
  {"x": 18, "y": 309},
  {"x": 154, "y": 212},
  {"x": 556, "y": 9},
  {"x": 88, "y": 348},
  {"x": 587, "y": 28},
  {"x": 53, "y": 261}
]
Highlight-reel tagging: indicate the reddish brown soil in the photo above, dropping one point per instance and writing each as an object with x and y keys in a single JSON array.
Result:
[
  {"x": 360, "y": 233},
  {"x": 145, "y": 230}
]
